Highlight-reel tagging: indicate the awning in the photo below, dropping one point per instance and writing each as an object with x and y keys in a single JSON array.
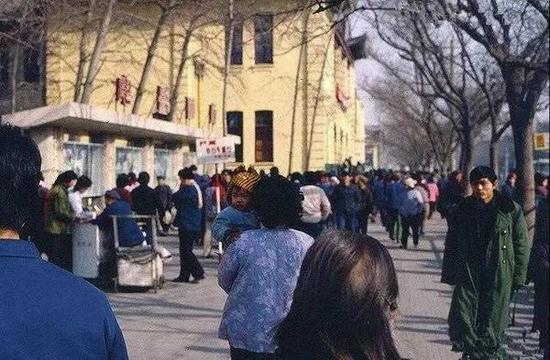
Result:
[{"x": 83, "y": 117}]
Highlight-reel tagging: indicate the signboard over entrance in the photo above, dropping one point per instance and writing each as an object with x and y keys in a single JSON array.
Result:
[{"x": 215, "y": 150}]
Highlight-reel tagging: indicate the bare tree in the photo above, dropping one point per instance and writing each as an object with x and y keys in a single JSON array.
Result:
[
  {"x": 95, "y": 57},
  {"x": 515, "y": 34},
  {"x": 165, "y": 11}
]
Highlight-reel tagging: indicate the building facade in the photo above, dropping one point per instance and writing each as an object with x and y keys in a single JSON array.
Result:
[{"x": 290, "y": 99}]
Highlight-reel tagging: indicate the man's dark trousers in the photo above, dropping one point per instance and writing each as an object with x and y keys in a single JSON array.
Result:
[
  {"x": 412, "y": 222},
  {"x": 189, "y": 265}
]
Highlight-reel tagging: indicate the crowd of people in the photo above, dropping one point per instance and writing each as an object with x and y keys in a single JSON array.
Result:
[{"x": 303, "y": 278}]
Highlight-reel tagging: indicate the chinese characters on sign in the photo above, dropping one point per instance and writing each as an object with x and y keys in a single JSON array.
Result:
[
  {"x": 212, "y": 113},
  {"x": 541, "y": 141},
  {"x": 123, "y": 90},
  {"x": 163, "y": 100},
  {"x": 215, "y": 151}
]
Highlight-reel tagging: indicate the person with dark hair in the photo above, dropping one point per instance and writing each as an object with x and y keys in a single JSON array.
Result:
[
  {"x": 509, "y": 186},
  {"x": 539, "y": 273},
  {"x": 486, "y": 256},
  {"x": 344, "y": 304},
  {"x": 274, "y": 171},
  {"x": 410, "y": 212},
  {"x": 345, "y": 202},
  {"x": 366, "y": 205},
  {"x": 188, "y": 220},
  {"x": 452, "y": 194},
  {"x": 146, "y": 202},
  {"x": 42, "y": 305},
  {"x": 122, "y": 181},
  {"x": 215, "y": 200},
  {"x": 238, "y": 216},
  {"x": 315, "y": 207},
  {"x": 75, "y": 196},
  {"x": 129, "y": 233},
  {"x": 433, "y": 190},
  {"x": 164, "y": 194},
  {"x": 260, "y": 269},
  {"x": 132, "y": 182},
  {"x": 59, "y": 220}
]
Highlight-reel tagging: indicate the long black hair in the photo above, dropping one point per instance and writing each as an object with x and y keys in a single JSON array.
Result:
[
  {"x": 277, "y": 201},
  {"x": 343, "y": 304}
]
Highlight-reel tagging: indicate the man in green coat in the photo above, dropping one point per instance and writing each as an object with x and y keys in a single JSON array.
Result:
[{"x": 486, "y": 257}]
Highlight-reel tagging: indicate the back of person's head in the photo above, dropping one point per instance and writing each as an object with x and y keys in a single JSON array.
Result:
[
  {"x": 309, "y": 178},
  {"x": 122, "y": 180},
  {"x": 277, "y": 201},
  {"x": 83, "y": 182},
  {"x": 186, "y": 174},
  {"x": 131, "y": 177},
  {"x": 143, "y": 178},
  {"x": 274, "y": 171},
  {"x": 20, "y": 163},
  {"x": 344, "y": 303},
  {"x": 65, "y": 177}
]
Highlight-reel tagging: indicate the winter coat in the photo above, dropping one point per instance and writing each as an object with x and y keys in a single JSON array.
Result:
[
  {"x": 479, "y": 313},
  {"x": 189, "y": 215},
  {"x": 60, "y": 216},
  {"x": 129, "y": 233},
  {"x": 538, "y": 271},
  {"x": 346, "y": 199},
  {"x": 145, "y": 201}
]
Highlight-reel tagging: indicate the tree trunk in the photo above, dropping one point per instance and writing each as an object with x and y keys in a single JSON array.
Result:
[
  {"x": 13, "y": 80},
  {"x": 175, "y": 93},
  {"x": 227, "y": 66},
  {"x": 493, "y": 154},
  {"x": 467, "y": 149},
  {"x": 299, "y": 69},
  {"x": 83, "y": 54},
  {"x": 523, "y": 146},
  {"x": 96, "y": 54},
  {"x": 165, "y": 12}
]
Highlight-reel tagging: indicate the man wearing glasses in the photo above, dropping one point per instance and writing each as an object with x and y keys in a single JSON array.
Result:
[{"x": 486, "y": 257}]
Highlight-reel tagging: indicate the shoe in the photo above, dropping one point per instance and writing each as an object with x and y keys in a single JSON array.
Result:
[
  {"x": 416, "y": 244},
  {"x": 182, "y": 280},
  {"x": 202, "y": 277}
]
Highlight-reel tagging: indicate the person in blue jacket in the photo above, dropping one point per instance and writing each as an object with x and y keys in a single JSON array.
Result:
[
  {"x": 129, "y": 233},
  {"x": 46, "y": 312},
  {"x": 188, "y": 220}
]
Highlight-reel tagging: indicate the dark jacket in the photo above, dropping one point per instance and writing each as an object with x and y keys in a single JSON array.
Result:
[
  {"x": 186, "y": 201},
  {"x": 346, "y": 199},
  {"x": 164, "y": 193},
  {"x": 538, "y": 270},
  {"x": 479, "y": 309},
  {"x": 129, "y": 233},
  {"x": 451, "y": 196},
  {"x": 145, "y": 201}
]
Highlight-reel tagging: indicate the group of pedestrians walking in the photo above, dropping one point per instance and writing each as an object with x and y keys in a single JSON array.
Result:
[{"x": 304, "y": 281}]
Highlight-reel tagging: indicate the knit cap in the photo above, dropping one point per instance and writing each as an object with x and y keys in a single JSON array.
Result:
[{"x": 246, "y": 180}]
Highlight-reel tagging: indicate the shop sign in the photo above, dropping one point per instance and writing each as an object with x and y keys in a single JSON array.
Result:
[
  {"x": 541, "y": 141},
  {"x": 163, "y": 100},
  {"x": 123, "y": 90},
  {"x": 215, "y": 150}
]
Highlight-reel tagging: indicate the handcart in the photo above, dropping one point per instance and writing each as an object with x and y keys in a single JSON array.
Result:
[{"x": 138, "y": 265}]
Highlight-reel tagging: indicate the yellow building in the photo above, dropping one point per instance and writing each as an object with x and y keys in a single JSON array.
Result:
[{"x": 290, "y": 91}]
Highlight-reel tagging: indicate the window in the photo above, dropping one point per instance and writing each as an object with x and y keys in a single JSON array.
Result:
[
  {"x": 236, "y": 43},
  {"x": 263, "y": 39},
  {"x": 235, "y": 127},
  {"x": 264, "y": 136},
  {"x": 85, "y": 159}
]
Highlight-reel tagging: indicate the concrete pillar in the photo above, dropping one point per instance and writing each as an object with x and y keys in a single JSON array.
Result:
[
  {"x": 50, "y": 145},
  {"x": 109, "y": 163}
]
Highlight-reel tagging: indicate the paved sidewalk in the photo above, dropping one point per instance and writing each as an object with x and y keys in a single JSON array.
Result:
[{"x": 181, "y": 320}]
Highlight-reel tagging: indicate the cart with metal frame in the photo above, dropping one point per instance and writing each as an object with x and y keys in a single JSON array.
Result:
[{"x": 140, "y": 265}]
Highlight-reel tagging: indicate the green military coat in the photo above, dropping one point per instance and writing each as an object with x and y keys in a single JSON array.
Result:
[
  {"x": 59, "y": 215},
  {"x": 479, "y": 314}
]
